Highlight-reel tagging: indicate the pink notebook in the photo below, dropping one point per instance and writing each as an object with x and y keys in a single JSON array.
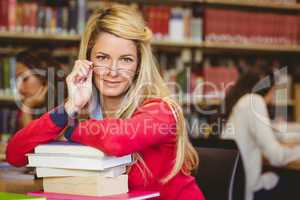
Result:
[{"x": 134, "y": 195}]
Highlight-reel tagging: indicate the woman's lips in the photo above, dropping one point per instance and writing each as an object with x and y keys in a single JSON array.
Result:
[{"x": 111, "y": 83}]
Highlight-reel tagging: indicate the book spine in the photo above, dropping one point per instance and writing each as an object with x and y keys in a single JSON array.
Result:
[
  {"x": 5, "y": 15},
  {"x": 1, "y": 77},
  {"x": 81, "y": 15},
  {"x": 72, "y": 17},
  {"x": 13, "y": 77},
  {"x": 6, "y": 76},
  {"x": 34, "y": 10},
  {"x": 53, "y": 20},
  {"x": 41, "y": 19},
  {"x": 59, "y": 20},
  {"x": 12, "y": 4},
  {"x": 65, "y": 19}
]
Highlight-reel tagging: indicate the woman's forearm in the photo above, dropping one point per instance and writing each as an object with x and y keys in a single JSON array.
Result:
[{"x": 39, "y": 131}]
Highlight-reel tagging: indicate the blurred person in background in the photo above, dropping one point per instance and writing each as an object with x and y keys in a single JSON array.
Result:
[
  {"x": 33, "y": 70},
  {"x": 247, "y": 122}
]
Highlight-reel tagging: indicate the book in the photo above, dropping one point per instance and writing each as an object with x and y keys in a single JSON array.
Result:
[
  {"x": 13, "y": 196},
  {"x": 133, "y": 195},
  {"x": 89, "y": 185},
  {"x": 42, "y": 16},
  {"x": 68, "y": 148},
  {"x": 66, "y": 161},
  {"x": 56, "y": 172},
  {"x": 234, "y": 26}
]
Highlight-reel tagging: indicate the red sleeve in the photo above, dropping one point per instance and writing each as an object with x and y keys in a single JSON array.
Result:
[
  {"x": 39, "y": 131},
  {"x": 152, "y": 124}
]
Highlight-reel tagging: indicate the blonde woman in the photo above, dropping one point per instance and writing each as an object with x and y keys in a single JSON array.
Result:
[{"x": 139, "y": 117}]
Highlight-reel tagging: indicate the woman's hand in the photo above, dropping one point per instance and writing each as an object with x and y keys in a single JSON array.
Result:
[
  {"x": 36, "y": 100},
  {"x": 79, "y": 83}
]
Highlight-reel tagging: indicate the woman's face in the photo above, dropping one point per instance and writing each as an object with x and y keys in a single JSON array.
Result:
[
  {"x": 115, "y": 64},
  {"x": 28, "y": 84}
]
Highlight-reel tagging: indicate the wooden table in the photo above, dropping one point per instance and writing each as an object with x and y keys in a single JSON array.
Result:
[
  {"x": 295, "y": 165},
  {"x": 16, "y": 181}
]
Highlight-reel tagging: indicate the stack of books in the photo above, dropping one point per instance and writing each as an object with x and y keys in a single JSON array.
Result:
[{"x": 76, "y": 169}]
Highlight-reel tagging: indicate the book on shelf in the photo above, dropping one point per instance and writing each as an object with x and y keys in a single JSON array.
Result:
[
  {"x": 173, "y": 23},
  {"x": 95, "y": 185},
  {"x": 8, "y": 76},
  {"x": 13, "y": 196},
  {"x": 234, "y": 26},
  {"x": 218, "y": 80},
  {"x": 41, "y": 16},
  {"x": 132, "y": 195},
  {"x": 43, "y": 172},
  {"x": 9, "y": 123}
]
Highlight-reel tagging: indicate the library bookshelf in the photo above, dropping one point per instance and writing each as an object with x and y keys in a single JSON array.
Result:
[
  {"x": 187, "y": 43},
  {"x": 254, "y": 4},
  {"x": 228, "y": 3},
  {"x": 7, "y": 35},
  {"x": 7, "y": 98}
]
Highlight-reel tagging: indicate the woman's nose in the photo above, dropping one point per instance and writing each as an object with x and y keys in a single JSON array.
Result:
[{"x": 113, "y": 72}]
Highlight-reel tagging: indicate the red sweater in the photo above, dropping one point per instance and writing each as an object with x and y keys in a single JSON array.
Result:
[{"x": 151, "y": 131}]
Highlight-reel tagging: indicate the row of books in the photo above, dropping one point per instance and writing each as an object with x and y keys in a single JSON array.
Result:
[
  {"x": 7, "y": 76},
  {"x": 210, "y": 79},
  {"x": 250, "y": 27},
  {"x": 173, "y": 22},
  {"x": 36, "y": 16},
  {"x": 8, "y": 122}
]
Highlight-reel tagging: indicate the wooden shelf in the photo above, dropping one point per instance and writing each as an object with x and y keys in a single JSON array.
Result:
[
  {"x": 189, "y": 43},
  {"x": 7, "y": 98},
  {"x": 251, "y": 47},
  {"x": 254, "y": 4},
  {"x": 229, "y": 3},
  {"x": 39, "y": 36}
]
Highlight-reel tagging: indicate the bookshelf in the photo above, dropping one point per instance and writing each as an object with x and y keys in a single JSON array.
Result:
[
  {"x": 188, "y": 43},
  {"x": 251, "y": 47},
  {"x": 254, "y": 4},
  {"x": 168, "y": 44},
  {"x": 39, "y": 36},
  {"x": 7, "y": 98},
  {"x": 271, "y": 5}
]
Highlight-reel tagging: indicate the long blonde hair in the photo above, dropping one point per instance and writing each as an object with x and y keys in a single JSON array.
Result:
[{"x": 127, "y": 22}]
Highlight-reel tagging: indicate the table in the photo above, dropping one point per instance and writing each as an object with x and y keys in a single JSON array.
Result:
[{"x": 14, "y": 180}]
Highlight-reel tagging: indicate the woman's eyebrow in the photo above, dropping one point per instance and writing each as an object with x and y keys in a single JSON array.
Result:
[
  {"x": 126, "y": 55},
  {"x": 100, "y": 52}
]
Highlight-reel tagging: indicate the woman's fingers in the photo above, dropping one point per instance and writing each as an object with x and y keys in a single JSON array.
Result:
[{"x": 81, "y": 70}]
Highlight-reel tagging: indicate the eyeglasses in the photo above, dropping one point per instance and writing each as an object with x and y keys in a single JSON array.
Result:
[
  {"x": 104, "y": 66},
  {"x": 104, "y": 70}
]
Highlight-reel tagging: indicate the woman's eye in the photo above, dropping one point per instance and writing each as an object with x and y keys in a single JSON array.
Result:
[
  {"x": 25, "y": 78},
  {"x": 127, "y": 60},
  {"x": 101, "y": 57}
]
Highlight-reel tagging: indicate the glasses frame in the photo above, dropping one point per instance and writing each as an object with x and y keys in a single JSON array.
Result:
[{"x": 124, "y": 72}]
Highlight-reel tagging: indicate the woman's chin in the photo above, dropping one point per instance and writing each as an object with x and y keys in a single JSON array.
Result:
[{"x": 111, "y": 92}]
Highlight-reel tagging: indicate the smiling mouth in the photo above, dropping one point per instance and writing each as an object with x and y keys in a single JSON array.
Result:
[{"x": 111, "y": 83}]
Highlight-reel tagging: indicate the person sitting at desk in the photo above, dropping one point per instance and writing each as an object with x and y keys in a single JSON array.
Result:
[
  {"x": 248, "y": 123},
  {"x": 32, "y": 70},
  {"x": 140, "y": 118}
]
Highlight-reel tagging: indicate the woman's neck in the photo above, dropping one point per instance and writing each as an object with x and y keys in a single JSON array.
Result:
[{"x": 110, "y": 105}]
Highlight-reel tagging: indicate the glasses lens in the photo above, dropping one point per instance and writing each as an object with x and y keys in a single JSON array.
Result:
[{"x": 125, "y": 72}]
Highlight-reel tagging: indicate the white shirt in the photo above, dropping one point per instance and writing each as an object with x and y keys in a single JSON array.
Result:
[{"x": 250, "y": 126}]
